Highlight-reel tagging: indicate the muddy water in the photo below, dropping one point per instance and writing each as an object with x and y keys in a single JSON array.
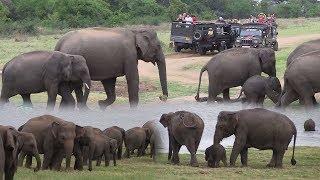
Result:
[{"x": 125, "y": 117}]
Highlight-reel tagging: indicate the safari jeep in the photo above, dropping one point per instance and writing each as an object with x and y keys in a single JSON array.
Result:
[
  {"x": 202, "y": 36},
  {"x": 256, "y": 35}
]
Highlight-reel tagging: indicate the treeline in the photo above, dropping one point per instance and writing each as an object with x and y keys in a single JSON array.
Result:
[{"x": 26, "y": 15}]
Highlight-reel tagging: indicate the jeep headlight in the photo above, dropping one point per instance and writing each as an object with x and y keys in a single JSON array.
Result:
[
  {"x": 238, "y": 40},
  {"x": 255, "y": 41}
]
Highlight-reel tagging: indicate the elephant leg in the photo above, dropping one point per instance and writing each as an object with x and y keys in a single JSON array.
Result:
[
  {"x": 238, "y": 146},
  {"x": 99, "y": 161},
  {"x": 57, "y": 160},
  {"x": 67, "y": 100},
  {"x": 47, "y": 160},
  {"x": 52, "y": 96},
  {"x": 26, "y": 100},
  {"x": 109, "y": 87},
  {"x": 28, "y": 161},
  {"x": 132, "y": 77},
  {"x": 127, "y": 153},
  {"x": 192, "y": 149},
  {"x": 272, "y": 162},
  {"x": 176, "y": 148},
  {"x": 244, "y": 157},
  {"x": 279, "y": 158},
  {"x": 141, "y": 149},
  {"x": 226, "y": 94},
  {"x": 22, "y": 155},
  {"x": 170, "y": 146},
  {"x": 261, "y": 101},
  {"x": 119, "y": 152}
]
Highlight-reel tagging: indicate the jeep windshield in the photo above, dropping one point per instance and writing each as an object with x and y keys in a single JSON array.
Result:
[{"x": 250, "y": 32}]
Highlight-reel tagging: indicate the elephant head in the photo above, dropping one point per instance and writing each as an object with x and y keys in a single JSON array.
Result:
[
  {"x": 113, "y": 150},
  {"x": 64, "y": 135},
  {"x": 149, "y": 50},
  {"x": 226, "y": 125},
  {"x": 267, "y": 61},
  {"x": 28, "y": 145},
  {"x": 273, "y": 88},
  {"x": 165, "y": 119}
]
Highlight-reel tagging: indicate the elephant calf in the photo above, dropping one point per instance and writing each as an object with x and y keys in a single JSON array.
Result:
[
  {"x": 257, "y": 87},
  {"x": 309, "y": 125},
  {"x": 136, "y": 138},
  {"x": 154, "y": 138},
  {"x": 214, "y": 154},
  {"x": 118, "y": 134},
  {"x": 184, "y": 128},
  {"x": 258, "y": 128}
]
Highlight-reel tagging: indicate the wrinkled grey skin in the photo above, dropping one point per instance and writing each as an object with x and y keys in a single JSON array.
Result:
[
  {"x": 115, "y": 53},
  {"x": 28, "y": 145},
  {"x": 11, "y": 149},
  {"x": 102, "y": 146},
  {"x": 155, "y": 139},
  {"x": 231, "y": 68},
  {"x": 214, "y": 154},
  {"x": 118, "y": 134},
  {"x": 40, "y": 71},
  {"x": 309, "y": 125},
  {"x": 136, "y": 138},
  {"x": 258, "y": 128},
  {"x": 55, "y": 139},
  {"x": 301, "y": 80},
  {"x": 2, "y": 157},
  {"x": 184, "y": 128},
  {"x": 257, "y": 87}
]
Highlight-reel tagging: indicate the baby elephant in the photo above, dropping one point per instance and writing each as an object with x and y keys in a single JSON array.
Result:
[
  {"x": 309, "y": 125},
  {"x": 184, "y": 128},
  {"x": 215, "y": 154},
  {"x": 257, "y": 87},
  {"x": 136, "y": 138}
]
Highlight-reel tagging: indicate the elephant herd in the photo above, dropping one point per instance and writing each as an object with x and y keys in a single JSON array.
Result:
[{"x": 58, "y": 139}]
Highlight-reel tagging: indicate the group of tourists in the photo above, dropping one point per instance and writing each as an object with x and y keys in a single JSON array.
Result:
[
  {"x": 263, "y": 19},
  {"x": 188, "y": 18}
]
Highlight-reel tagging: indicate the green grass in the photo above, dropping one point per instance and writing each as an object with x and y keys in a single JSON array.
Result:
[
  {"x": 308, "y": 160},
  {"x": 299, "y": 26}
]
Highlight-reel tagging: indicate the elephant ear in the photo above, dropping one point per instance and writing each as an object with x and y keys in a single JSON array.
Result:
[
  {"x": 165, "y": 120},
  {"x": 79, "y": 131},
  {"x": 59, "y": 67},
  {"x": 54, "y": 129},
  {"x": 189, "y": 122},
  {"x": 9, "y": 140},
  {"x": 142, "y": 43}
]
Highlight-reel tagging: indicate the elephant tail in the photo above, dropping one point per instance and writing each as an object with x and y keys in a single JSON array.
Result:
[
  {"x": 293, "y": 161},
  {"x": 197, "y": 96}
]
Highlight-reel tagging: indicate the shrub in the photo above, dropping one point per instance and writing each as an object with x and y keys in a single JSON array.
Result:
[
  {"x": 33, "y": 9},
  {"x": 4, "y": 13},
  {"x": 176, "y": 7}
]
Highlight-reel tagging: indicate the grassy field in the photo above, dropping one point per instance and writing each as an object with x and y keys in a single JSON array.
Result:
[{"x": 308, "y": 160}]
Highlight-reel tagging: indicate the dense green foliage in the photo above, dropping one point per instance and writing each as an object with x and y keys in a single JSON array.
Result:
[{"x": 20, "y": 15}]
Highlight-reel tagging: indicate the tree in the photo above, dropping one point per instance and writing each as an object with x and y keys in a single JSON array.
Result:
[{"x": 176, "y": 7}]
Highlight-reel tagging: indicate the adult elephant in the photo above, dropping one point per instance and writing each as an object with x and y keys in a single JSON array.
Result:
[
  {"x": 231, "y": 68},
  {"x": 114, "y": 53},
  {"x": 184, "y": 128},
  {"x": 40, "y": 71},
  {"x": 55, "y": 139},
  {"x": 258, "y": 128},
  {"x": 304, "y": 48},
  {"x": 118, "y": 134},
  {"x": 301, "y": 80}
]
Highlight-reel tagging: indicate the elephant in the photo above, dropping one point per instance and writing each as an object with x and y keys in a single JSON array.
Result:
[
  {"x": 232, "y": 67},
  {"x": 154, "y": 139},
  {"x": 11, "y": 149},
  {"x": 114, "y": 53},
  {"x": 301, "y": 80},
  {"x": 28, "y": 145},
  {"x": 184, "y": 128},
  {"x": 55, "y": 139},
  {"x": 257, "y": 87},
  {"x": 309, "y": 125},
  {"x": 259, "y": 128},
  {"x": 307, "y": 47},
  {"x": 118, "y": 134},
  {"x": 40, "y": 71},
  {"x": 2, "y": 156},
  {"x": 214, "y": 154},
  {"x": 136, "y": 138}
]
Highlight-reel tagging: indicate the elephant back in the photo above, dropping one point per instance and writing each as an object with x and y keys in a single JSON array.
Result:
[{"x": 189, "y": 120}]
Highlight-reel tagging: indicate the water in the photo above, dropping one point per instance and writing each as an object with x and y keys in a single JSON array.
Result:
[{"x": 127, "y": 118}]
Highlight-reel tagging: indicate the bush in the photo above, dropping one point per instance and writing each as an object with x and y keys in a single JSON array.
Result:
[
  {"x": 19, "y": 27},
  {"x": 82, "y": 13},
  {"x": 4, "y": 13},
  {"x": 33, "y": 9},
  {"x": 176, "y": 7}
]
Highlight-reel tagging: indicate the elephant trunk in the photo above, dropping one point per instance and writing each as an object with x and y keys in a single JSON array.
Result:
[
  {"x": 161, "y": 63},
  {"x": 217, "y": 137},
  {"x": 37, "y": 156},
  {"x": 68, "y": 147}
]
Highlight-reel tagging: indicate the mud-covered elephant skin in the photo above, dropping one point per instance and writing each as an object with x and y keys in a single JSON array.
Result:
[
  {"x": 28, "y": 147},
  {"x": 258, "y": 128},
  {"x": 155, "y": 139},
  {"x": 118, "y": 134},
  {"x": 136, "y": 138},
  {"x": 55, "y": 139},
  {"x": 114, "y": 53},
  {"x": 231, "y": 68},
  {"x": 40, "y": 71},
  {"x": 301, "y": 80},
  {"x": 184, "y": 128},
  {"x": 309, "y": 125},
  {"x": 257, "y": 87},
  {"x": 11, "y": 150},
  {"x": 214, "y": 154}
]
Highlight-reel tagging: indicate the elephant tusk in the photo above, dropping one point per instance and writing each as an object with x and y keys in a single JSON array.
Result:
[{"x": 86, "y": 85}]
